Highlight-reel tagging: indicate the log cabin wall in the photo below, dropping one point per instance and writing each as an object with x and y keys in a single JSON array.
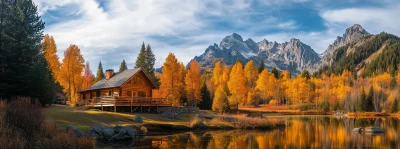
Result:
[{"x": 138, "y": 85}]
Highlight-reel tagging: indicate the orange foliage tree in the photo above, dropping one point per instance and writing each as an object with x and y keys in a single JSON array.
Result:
[
  {"x": 49, "y": 49},
  {"x": 171, "y": 80},
  {"x": 193, "y": 83},
  {"x": 71, "y": 72},
  {"x": 237, "y": 85}
]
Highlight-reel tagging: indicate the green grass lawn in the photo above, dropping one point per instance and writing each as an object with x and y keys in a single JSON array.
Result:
[{"x": 85, "y": 119}]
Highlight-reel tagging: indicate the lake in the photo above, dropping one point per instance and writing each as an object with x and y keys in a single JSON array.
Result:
[{"x": 300, "y": 132}]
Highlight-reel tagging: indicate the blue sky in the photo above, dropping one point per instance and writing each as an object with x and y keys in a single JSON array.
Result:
[{"x": 112, "y": 30}]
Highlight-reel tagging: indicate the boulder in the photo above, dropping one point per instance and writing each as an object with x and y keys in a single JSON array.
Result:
[
  {"x": 112, "y": 133},
  {"x": 97, "y": 132},
  {"x": 170, "y": 115},
  {"x": 130, "y": 132},
  {"x": 108, "y": 133},
  {"x": 359, "y": 129},
  {"x": 78, "y": 133},
  {"x": 374, "y": 129},
  {"x": 137, "y": 119}
]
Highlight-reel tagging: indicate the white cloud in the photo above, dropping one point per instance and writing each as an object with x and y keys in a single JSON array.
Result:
[
  {"x": 116, "y": 29},
  {"x": 374, "y": 20}
]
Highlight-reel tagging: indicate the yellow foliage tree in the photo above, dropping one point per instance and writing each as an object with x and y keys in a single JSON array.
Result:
[
  {"x": 193, "y": 83},
  {"x": 262, "y": 84},
  {"x": 251, "y": 74},
  {"x": 217, "y": 74},
  {"x": 71, "y": 72},
  {"x": 171, "y": 80},
  {"x": 49, "y": 49},
  {"x": 237, "y": 85},
  {"x": 298, "y": 91},
  {"x": 220, "y": 102}
]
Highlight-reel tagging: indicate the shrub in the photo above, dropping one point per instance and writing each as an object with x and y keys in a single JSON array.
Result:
[
  {"x": 86, "y": 143},
  {"x": 143, "y": 129},
  {"x": 305, "y": 107},
  {"x": 22, "y": 126},
  {"x": 20, "y": 113},
  {"x": 197, "y": 123},
  {"x": 273, "y": 102}
]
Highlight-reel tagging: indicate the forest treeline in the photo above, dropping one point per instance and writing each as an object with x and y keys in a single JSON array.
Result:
[
  {"x": 352, "y": 57},
  {"x": 228, "y": 87}
]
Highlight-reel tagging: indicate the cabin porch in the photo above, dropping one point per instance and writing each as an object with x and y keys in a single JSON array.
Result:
[{"x": 136, "y": 104}]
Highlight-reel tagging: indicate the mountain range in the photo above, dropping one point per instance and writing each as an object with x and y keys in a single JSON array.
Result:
[{"x": 292, "y": 55}]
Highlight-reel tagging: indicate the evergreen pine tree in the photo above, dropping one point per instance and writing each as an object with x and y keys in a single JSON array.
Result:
[
  {"x": 369, "y": 100},
  {"x": 141, "y": 59},
  {"x": 21, "y": 33},
  {"x": 395, "y": 106},
  {"x": 150, "y": 61},
  {"x": 123, "y": 66},
  {"x": 100, "y": 73},
  {"x": 305, "y": 74},
  {"x": 206, "y": 102},
  {"x": 261, "y": 67},
  {"x": 45, "y": 85},
  {"x": 362, "y": 101},
  {"x": 275, "y": 72}
]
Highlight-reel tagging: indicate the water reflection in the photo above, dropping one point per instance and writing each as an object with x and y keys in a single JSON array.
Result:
[{"x": 300, "y": 132}]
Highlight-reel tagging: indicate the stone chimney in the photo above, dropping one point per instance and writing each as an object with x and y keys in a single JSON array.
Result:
[{"x": 109, "y": 73}]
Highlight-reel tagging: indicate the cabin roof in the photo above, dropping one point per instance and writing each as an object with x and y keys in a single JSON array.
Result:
[{"x": 117, "y": 80}]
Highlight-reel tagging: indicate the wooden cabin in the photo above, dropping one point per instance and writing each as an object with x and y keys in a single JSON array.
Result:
[{"x": 132, "y": 87}]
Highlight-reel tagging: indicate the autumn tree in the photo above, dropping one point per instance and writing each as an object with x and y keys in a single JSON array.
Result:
[
  {"x": 171, "y": 79},
  {"x": 237, "y": 85},
  {"x": 88, "y": 77},
  {"x": 193, "y": 84},
  {"x": 284, "y": 84},
  {"x": 220, "y": 102},
  {"x": 49, "y": 49},
  {"x": 100, "y": 73},
  {"x": 298, "y": 90},
  {"x": 217, "y": 74},
  {"x": 71, "y": 70},
  {"x": 262, "y": 84},
  {"x": 123, "y": 66},
  {"x": 251, "y": 74}
]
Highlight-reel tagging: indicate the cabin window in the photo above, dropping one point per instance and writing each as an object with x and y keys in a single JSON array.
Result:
[
  {"x": 141, "y": 94},
  {"x": 110, "y": 93},
  {"x": 129, "y": 93},
  {"x": 98, "y": 93}
]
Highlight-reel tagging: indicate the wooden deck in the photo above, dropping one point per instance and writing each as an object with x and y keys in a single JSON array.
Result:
[{"x": 136, "y": 103}]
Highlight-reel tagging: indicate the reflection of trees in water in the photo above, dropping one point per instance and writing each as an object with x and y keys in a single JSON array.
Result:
[{"x": 300, "y": 132}]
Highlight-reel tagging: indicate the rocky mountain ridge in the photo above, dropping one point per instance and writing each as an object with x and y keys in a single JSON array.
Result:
[{"x": 292, "y": 55}]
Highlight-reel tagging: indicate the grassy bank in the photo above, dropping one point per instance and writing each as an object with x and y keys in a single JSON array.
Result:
[{"x": 85, "y": 119}]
